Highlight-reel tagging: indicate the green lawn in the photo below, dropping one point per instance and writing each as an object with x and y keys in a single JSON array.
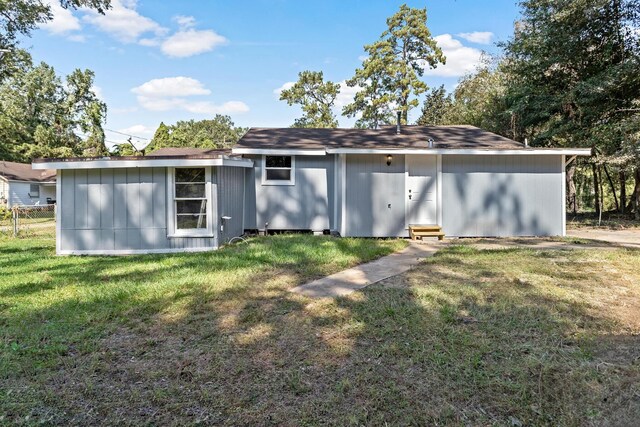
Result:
[{"x": 470, "y": 337}]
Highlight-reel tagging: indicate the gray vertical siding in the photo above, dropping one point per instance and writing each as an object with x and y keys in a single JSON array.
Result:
[
  {"x": 117, "y": 210},
  {"x": 307, "y": 205},
  {"x": 375, "y": 203},
  {"x": 502, "y": 195},
  {"x": 230, "y": 189}
]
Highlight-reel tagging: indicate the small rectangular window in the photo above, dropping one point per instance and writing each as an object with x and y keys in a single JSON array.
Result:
[
  {"x": 279, "y": 170},
  {"x": 190, "y": 199},
  {"x": 34, "y": 190}
]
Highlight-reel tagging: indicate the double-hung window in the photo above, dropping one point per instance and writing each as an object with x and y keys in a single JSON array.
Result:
[
  {"x": 278, "y": 170},
  {"x": 191, "y": 208}
]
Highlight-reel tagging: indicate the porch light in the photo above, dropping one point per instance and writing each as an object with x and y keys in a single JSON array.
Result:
[{"x": 389, "y": 158}]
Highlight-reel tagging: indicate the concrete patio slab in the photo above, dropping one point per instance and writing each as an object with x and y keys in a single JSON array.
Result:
[{"x": 352, "y": 279}]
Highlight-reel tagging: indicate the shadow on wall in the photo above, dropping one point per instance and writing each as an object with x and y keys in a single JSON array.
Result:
[
  {"x": 496, "y": 207},
  {"x": 303, "y": 206},
  {"x": 375, "y": 199}
]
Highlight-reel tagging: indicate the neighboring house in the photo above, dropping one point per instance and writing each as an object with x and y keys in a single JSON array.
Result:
[
  {"x": 356, "y": 182},
  {"x": 21, "y": 185}
]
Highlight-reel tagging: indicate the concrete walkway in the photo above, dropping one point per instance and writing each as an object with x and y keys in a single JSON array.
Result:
[
  {"x": 628, "y": 237},
  {"x": 358, "y": 277}
]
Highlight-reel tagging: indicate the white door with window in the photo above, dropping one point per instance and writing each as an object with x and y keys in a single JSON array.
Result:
[{"x": 421, "y": 190}]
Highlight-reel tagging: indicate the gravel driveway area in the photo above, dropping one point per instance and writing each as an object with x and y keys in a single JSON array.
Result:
[{"x": 627, "y": 237}]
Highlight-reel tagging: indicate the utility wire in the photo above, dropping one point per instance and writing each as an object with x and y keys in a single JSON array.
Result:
[{"x": 126, "y": 134}]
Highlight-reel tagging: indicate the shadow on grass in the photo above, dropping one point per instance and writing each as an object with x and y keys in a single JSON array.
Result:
[{"x": 462, "y": 343}]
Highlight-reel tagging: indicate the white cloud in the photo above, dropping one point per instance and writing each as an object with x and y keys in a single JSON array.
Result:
[
  {"x": 77, "y": 38},
  {"x": 138, "y": 130},
  {"x": 363, "y": 57},
  {"x": 63, "y": 20},
  {"x": 98, "y": 91},
  {"x": 460, "y": 59},
  {"x": 346, "y": 94},
  {"x": 285, "y": 86},
  {"x": 189, "y": 42},
  {"x": 171, "y": 87},
  {"x": 185, "y": 21},
  {"x": 174, "y": 93},
  {"x": 123, "y": 22},
  {"x": 209, "y": 108},
  {"x": 480, "y": 37}
]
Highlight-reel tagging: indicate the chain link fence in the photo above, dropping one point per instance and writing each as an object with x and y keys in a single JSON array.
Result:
[{"x": 28, "y": 221}]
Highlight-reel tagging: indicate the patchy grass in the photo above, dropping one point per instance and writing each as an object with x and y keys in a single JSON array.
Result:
[
  {"x": 610, "y": 221},
  {"x": 507, "y": 337}
]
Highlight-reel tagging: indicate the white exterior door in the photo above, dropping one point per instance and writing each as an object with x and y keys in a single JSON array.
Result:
[{"x": 421, "y": 190}]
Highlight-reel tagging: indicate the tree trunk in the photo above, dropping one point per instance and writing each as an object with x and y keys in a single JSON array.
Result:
[
  {"x": 596, "y": 189},
  {"x": 613, "y": 187},
  {"x": 623, "y": 191},
  {"x": 636, "y": 194},
  {"x": 572, "y": 199}
]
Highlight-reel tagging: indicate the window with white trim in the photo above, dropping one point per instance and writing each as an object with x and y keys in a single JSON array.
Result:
[
  {"x": 191, "y": 202},
  {"x": 278, "y": 170},
  {"x": 34, "y": 190}
]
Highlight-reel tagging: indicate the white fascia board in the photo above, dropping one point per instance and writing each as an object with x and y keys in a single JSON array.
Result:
[
  {"x": 279, "y": 151},
  {"x": 28, "y": 182},
  {"x": 142, "y": 163},
  {"x": 475, "y": 152}
]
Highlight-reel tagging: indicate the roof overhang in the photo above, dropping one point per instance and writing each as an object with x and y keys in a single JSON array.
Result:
[
  {"x": 149, "y": 162},
  {"x": 280, "y": 151},
  {"x": 474, "y": 152},
  {"x": 24, "y": 181}
]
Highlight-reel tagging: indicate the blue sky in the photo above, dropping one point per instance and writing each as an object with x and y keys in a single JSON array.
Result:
[{"x": 174, "y": 60}]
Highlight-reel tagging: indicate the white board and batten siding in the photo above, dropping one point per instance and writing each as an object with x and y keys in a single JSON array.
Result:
[
  {"x": 502, "y": 195},
  {"x": 118, "y": 211}
]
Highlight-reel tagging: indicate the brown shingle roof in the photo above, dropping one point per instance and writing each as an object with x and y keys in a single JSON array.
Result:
[
  {"x": 23, "y": 172},
  {"x": 448, "y": 137},
  {"x": 161, "y": 153}
]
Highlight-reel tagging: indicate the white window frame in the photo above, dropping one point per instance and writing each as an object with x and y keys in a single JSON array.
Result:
[
  {"x": 34, "y": 194},
  {"x": 291, "y": 181},
  {"x": 172, "y": 224}
]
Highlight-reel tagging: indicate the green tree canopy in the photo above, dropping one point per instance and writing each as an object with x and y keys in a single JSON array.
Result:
[
  {"x": 436, "y": 108},
  {"x": 219, "y": 132},
  {"x": 573, "y": 71},
  {"x": 479, "y": 99},
  {"x": 400, "y": 57},
  {"x": 316, "y": 98},
  {"x": 372, "y": 103},
  {"x": 18, "y": 18},
  {"x": 42, "y": 116}
]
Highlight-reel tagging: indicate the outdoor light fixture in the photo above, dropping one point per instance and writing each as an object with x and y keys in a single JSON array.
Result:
[{"x": 389, "y": 158}]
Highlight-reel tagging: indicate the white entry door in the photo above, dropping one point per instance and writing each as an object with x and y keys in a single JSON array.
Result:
[{"x": 421, "y": 190}]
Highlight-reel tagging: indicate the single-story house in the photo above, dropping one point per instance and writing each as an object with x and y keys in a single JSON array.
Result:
[
  {"x": 21, "y": 185},
  {"x": 355, "y": 182}
]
